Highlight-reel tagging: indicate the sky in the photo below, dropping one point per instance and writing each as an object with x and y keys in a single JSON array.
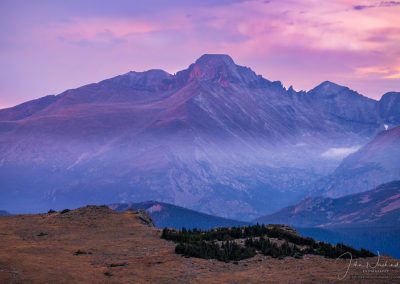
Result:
[{"x": 48, "y": 46}]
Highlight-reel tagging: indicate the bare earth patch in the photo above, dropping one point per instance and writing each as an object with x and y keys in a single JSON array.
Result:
[{"x": 97, "y": 245}]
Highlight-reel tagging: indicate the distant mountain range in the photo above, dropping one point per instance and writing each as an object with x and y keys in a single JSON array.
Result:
[
  {"x": 215, "y": 137},
  {"x": 170, "y": 216},
  {"x": 377, "y": 207}
]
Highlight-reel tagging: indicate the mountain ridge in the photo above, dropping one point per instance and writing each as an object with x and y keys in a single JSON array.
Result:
[
  {"x": 215, "y": 137},
  {"x": 376, "y": 207},
  {"x": 214, "y": 61}
]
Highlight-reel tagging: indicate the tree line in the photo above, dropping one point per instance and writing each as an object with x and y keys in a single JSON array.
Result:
[{"x": 221, "y": 243}]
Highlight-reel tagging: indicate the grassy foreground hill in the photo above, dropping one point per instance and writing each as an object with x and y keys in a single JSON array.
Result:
[{"x": 97, "y": 245}]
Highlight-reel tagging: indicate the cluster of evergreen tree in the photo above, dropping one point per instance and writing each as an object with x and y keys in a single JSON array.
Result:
[
  {"x": 227, "y": 251},
  {"x": 334, "y": 251},
  {"x": 266, "y": 247},
  {"x": 290, "y": 237},
  {"x": 218, "y": 234},
  {"x": 225, "y": 234},
  {"x": 204, "y": 243}
]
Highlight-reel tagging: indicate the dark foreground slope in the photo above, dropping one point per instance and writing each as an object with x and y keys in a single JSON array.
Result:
[
  {"x": 171, "y": 216},
  {"x": 98, "y": 245}
]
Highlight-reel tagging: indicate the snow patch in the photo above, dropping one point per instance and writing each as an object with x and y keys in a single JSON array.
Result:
[{"x": 340, "y": 153}]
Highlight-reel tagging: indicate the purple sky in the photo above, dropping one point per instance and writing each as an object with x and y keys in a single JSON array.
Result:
[{"x": 47, "y": 46}]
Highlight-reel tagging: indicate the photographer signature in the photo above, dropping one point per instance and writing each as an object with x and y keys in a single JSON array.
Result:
[{"x": 356, "y": 264}]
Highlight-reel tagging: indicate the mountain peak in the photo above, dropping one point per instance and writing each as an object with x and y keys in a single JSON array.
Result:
[
  {"x": 217, "y": 67},
  {"x": 215, "y": 59},
  {"x": 391, "y": 96},
  {"x": 152, "y": 75},
  {"x": 389, "y": 108},
  {"x": 328, "y": 88}
]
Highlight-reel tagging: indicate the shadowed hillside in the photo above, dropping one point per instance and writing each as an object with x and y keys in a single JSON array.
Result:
[
  {"x": 377, "y": 207},
  {"x": 171, "y": 216}
]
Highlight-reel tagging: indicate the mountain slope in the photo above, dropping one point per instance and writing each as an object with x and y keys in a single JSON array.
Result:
[
  {"x": 375, "y": 163},
  {"x": 171, "y": 216},
  {"x": 215, "y": 137},
  {"x": 384, "y": 240},
  {"x": 377, "y": 207}
]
